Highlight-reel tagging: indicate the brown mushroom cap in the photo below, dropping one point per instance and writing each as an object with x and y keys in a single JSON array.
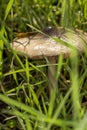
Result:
[{"x": 38, "y": 45}]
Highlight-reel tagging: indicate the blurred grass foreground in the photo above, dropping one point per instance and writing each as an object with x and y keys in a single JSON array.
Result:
[{"x": 25, "y": 103}]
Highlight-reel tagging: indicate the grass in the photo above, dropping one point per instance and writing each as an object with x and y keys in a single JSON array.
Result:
[{"x": 24, "y": 96}]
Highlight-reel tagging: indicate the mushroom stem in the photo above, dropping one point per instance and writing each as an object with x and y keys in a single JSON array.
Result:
[{"x": 52, "y": 73}]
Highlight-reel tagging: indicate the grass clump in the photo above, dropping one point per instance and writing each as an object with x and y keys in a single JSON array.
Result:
[{"x": 24, "y": 97}]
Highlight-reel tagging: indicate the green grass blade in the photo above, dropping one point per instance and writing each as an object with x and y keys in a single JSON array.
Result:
[
  {"x": 27, "y": 70},
  {"x": 20, "y": 105},
  {"x": 1, "y": 56},
  {"x": 75, "y": 84},
  {"x": 8, "y": 8},
  {"x": 59, "y": 108},
  {"x": 35, "y": 99},
  {"x": 82, "y": 125}
]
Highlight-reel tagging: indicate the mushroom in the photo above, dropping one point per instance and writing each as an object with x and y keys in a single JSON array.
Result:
[{"x": 50, "y": 44}]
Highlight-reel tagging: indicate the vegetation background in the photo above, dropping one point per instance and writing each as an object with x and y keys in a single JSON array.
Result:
[{"x": 24, "y": 99}]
